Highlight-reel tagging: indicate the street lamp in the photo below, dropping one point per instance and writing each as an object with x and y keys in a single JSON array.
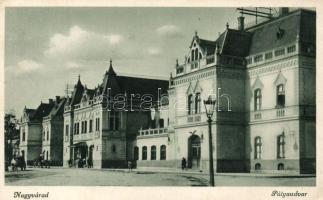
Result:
[{"x": 209, "y": 109}]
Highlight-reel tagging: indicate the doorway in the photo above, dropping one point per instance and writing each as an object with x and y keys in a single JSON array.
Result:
[{"x": 194, "y": 152}]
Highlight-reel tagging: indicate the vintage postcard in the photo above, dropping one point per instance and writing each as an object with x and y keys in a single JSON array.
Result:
[{"x": 130, "y": 100}]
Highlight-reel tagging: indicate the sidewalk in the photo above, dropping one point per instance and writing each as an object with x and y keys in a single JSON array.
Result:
[{"x": 197, "y": 172}]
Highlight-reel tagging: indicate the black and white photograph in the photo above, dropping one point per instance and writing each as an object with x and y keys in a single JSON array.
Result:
[{"x": 182, "y": 96}]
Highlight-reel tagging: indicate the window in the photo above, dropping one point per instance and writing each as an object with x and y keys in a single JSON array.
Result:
[
  {"x": 280, "y": 166},
  {"x": 268, "y": 55},
  {"x": 258, "y": 148},
  {"x": 66, "y": 130},
  {"x": 279, "y": 52},
  {"x": 44, "y": 136},
  {"x": 179, "y": 70},
  {"x": 47, "y": 134},
  {"x": 249, "y": 61},
  {"x": 190, "y": 104},
  {"x": 192, "y": 55},
  {"x": 258, "y": 58},
  {"x": 136, "y": 153},
  {"x": 161, "y": 123},
  {"x": 91, "y": 126},
  {"x": 97, "y": 124},
  {"x": 23, "y": 135},
  {"x": 196, "y": 54},
  {"x": 257, "y": 166},
  {"x": 197, "y": 103},
  {"x": 280, "y": 95},
  {"x": 114, "y": 150},
  {"x": 291, "y": 49},
  {"x": 153, "y": 153},
  {"x": 76, "y": 128},
  {"x": 85, "y": 127},
  {"x": 114, "y": 120},
  {"x": 163, "y": 152},
  {"x": 82, "y": 127},
  {"x": 281, "y": 146},
  {"x": 144, "y": 153},
  {"x": 257, "y": 99}
]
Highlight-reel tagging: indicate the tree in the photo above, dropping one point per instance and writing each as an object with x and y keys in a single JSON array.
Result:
[{"x": 11, "y": 131}]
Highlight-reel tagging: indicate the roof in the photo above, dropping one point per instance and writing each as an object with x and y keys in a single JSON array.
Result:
[
  {"x": 42, "y": 111},
  {"x": 283, "y": 31},
  {"x": 58, "y": 108},
  {"x": 77, "y": 93},
  {"x": 236, "y": 43},
  {"x": 133, "y": 85}
]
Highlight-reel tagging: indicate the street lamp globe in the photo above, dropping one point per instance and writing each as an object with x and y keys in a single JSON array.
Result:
[{"x": 209, "y": 106}]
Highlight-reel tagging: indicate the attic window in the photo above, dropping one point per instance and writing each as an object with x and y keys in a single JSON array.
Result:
[
  {"x": 268, "y": 55},
  {"x": 279, "y": 52},
  {"x": 280, "y": 33}
]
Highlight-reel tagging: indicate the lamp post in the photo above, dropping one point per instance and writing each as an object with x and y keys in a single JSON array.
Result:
[{"x": 209, "y": 109}]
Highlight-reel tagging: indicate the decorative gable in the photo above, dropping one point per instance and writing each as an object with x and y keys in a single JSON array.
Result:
[
  {"x": 190, "y": 89},
  {"x": 197, "y": 88},
  {"x": 257, "y": 84},
  {"x": 280, "y": 79}
]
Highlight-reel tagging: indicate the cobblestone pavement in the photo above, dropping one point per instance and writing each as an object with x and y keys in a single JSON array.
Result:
[{"x": 95, "y": 177}]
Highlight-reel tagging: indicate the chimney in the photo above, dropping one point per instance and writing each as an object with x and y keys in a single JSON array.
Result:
[
  {"x": 283, "y": 11},
  {"x": 50, "y": 101},
  {"x": 58, "y": 98},
  {"x": 241, "y": 23}
]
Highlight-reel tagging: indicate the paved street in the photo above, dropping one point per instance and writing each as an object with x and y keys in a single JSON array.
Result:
[{"x": 94, "y": 177}]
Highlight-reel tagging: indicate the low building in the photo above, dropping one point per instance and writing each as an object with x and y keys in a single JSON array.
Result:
[{"x": 101, "y": 124}]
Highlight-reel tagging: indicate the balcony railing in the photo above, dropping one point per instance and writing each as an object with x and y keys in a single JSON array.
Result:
[
  {"x": 192, "y": 119},
  {"x": 83, "y": 136},
  {"x": 204, "y": 62},
  {"x": 156, "y": 131},
  {"x": 275, "y": 113}
]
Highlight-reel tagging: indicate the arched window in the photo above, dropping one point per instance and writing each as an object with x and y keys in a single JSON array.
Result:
[
  {"x": 281, "y": 146},
  {"x": 114, "y": 149},
  {"x": 197, "y": 103},
  {"x": 280, "y": 95},
  {"x": 257, "y": 166},
  {"x": 280, "y": 166},
  {"x": 153, "y": 153},
  {"x": 190, "y": 104},
  {"x": 23, "y": 135},
  {"x": 136, "y": 153},
  {"x": 192, "y": 55},
  {"x": 163, "y": 152},
  {"x": 258, "y": 148},
  {"x": 200, "y": 56},
  {"x": 144, "y": 153},
  {"x": 257, "y": 99}
]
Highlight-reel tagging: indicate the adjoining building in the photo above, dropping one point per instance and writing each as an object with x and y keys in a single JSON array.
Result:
[
  {"x": 52, "y": 133},
  {"x": 31, "y": 131},
  {"x": 101, "y": 124},
  {"x": 263, "y": 78}
]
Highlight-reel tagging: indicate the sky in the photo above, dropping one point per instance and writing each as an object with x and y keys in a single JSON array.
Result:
[{"x": 47, "y": 48}]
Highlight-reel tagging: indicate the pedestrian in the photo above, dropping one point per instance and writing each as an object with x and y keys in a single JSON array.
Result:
[
  {"x": 14, "y": 164},
  {"x": 183, "y": 163},
  {"x": 129, "y": 166}
]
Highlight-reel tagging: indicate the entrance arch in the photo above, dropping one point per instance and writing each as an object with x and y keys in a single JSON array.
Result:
[{"x": 194, "y": 152}]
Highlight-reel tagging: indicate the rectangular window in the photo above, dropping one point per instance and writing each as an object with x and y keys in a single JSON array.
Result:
[
  {"x": 91, "y": 126},
  {"x": 97, "y": 124},
  {"x": 279, "y": 52},
  {"x": 85, "y": 127},
  {"x": 179, "y": 70},
  {"x": 258, "y": 58},
  {"x": 268, "y": 55},
  {"x": 114, "y": 120},
  {"x": 23, "y": 136},
  {"x": 281, "y": 146},
  {"x": 291, "y": 49},
  {"x": 249, "y": 61},
  {"x": 66, "y": 130},
  {"x": 280, "y": 96}
]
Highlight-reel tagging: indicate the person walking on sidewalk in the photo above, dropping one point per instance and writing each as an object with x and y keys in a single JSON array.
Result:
[{"x": 183, "y": 163}]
